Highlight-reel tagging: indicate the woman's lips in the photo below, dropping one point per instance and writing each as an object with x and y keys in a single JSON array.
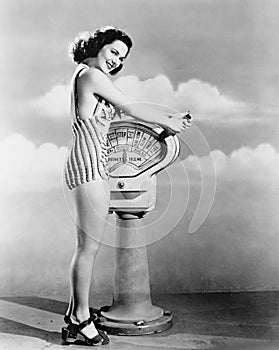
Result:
[{"x": 109, "y": 65}]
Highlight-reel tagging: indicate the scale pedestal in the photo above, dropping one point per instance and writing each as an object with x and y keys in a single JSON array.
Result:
[
  {"x": 132, "y": 312},
  {"x": 136, "y": 153}
]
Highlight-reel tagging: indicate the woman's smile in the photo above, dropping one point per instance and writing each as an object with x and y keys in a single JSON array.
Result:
[
  {"x": 110, "y": 65},
  {"x": 111, "y": 56}
]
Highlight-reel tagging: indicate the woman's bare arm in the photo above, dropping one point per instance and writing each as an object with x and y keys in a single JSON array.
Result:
[{"x": 96, "y": 82}]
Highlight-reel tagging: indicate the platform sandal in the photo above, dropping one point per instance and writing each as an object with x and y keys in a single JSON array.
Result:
[{"x": 73, "y": 331}]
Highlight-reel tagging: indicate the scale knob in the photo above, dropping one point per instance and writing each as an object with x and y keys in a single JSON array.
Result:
[{"x": 121, "y": 184}]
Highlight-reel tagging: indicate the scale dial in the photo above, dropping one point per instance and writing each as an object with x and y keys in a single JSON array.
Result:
[{"x": 132, "y": 149}]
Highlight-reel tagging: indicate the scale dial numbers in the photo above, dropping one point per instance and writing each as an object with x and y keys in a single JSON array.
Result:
[{"x": 132, "y": 150}]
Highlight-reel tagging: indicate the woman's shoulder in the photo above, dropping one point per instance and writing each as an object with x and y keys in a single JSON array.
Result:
[
  {"x": 95, "y": 80},
  {"x": 91, "y": 77},
  {"x": 92, "y": 74}
]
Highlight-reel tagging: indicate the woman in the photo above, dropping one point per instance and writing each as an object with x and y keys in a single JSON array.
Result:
[{"x": 97, "y": 54}]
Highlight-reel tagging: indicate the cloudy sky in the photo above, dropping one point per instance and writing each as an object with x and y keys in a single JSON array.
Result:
[{"x": 217, "y": 58}]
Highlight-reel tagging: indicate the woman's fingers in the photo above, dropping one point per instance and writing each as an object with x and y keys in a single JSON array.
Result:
[
  {"x": 184, "y": 127},
  {"x": 187, "y": 123},
  {"x": 185, "y": 116},
  {"x": 181, "y": 121},
  {"x": 188, "y": 117}
]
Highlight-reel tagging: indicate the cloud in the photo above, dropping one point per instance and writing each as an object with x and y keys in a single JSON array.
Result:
[
  {"x": 246, "y": 172},
  {"x": 55, "y": 103},
  {"x": 202, "y": 98},
  {"x": 28, "y": 168},
  {"x": 260, "y": 164},
  {"x": 206, "y": 98}
]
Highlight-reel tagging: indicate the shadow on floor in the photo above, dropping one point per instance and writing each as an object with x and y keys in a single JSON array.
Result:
[
  {"x": 245, "y": 315},
  {"x": 242, "y": 315},
  {"x": 17, "y": 328},
  {"x": 45, "y": 304}
]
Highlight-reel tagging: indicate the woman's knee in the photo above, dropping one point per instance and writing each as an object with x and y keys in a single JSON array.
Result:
[{"x": 86, "y": 243}]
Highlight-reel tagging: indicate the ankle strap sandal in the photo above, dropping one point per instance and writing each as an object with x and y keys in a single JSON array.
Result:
[{"x": 73, "y": 330}]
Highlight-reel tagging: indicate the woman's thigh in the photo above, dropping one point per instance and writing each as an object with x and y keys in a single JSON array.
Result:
[{"x": 91, "y": 207}]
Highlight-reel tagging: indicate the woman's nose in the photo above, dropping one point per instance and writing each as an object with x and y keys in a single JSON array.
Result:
[{"x": 115, "y": 61}]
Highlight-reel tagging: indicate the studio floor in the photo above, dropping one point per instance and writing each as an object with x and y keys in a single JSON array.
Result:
[{"x": 201, "y": 321}]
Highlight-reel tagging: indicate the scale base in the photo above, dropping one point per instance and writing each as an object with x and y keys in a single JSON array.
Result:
[{"x": 140, "y": 327}]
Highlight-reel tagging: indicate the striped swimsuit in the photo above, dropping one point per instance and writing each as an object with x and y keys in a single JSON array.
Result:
[{"x": 87, "y": 157}]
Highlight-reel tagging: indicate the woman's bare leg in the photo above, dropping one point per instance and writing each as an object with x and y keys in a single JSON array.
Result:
[{"x": 92, "y": 204}]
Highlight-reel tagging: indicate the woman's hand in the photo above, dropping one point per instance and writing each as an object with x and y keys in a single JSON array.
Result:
[{"x": 180, "y": 121}]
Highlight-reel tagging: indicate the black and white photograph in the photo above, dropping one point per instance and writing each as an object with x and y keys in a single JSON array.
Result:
[{"x": 139, "y": 174}]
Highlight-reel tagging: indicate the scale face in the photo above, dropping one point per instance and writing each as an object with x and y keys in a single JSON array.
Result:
[{"x": 132, "y": 149}]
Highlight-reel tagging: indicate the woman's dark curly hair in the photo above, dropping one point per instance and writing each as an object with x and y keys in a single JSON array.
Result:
[{"x": 88, "y": 44}]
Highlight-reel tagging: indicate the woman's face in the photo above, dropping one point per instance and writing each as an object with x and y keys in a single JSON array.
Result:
[{"x": 111, "y": 56}]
